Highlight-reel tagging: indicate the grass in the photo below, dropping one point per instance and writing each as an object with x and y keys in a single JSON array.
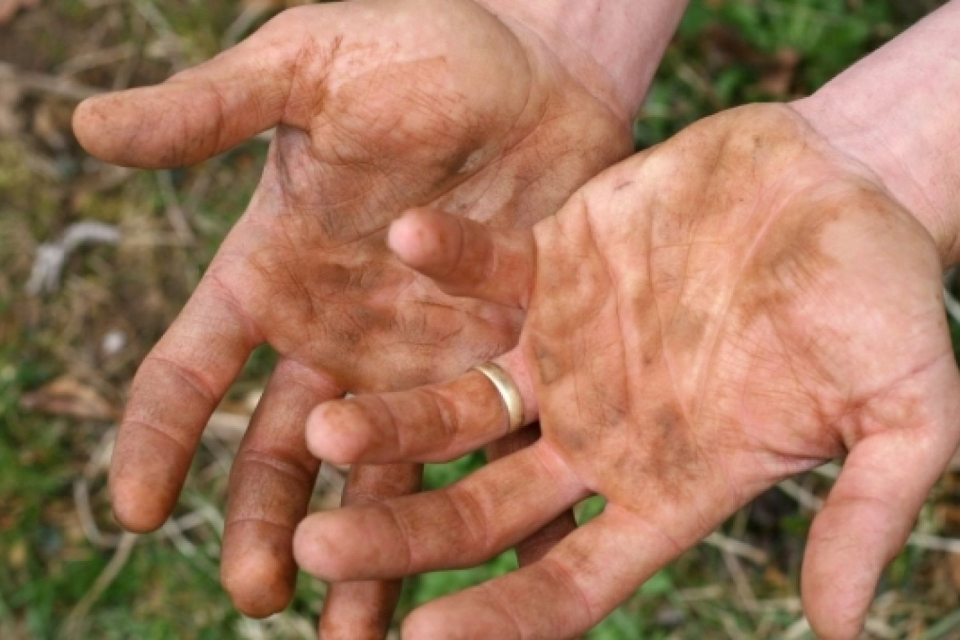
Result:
[{"x": 727, "y": 52}]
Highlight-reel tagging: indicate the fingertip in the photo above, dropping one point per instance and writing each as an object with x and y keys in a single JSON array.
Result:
[
  {"x": 466, "y": 258},
  {"x": 107, "y": 126},
  {"x": 82, "y": 119},
  {"x": 130, "y": 508},
  {"x": 834, "y": 614},
  {"x": 316, "y": 549},
  {"x": 90, "y": 121},
  {"x": 134, "y": 519},
  {"x": 830, "y": 623},
  {"x": 444, "y": 618},
  {"x": 259, "y": 579},
  {"x": 836, "y": 588},
  {"x": 316, "y": 430},
  {"x": 146, "y": 475},
  {"x": 423, "y": 624},
  {"x": 336, "y": 432},
  {"x": 422, "y": 238}
]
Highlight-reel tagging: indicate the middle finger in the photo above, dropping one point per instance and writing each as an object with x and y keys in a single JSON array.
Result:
[{"x": 458, "y": 526}]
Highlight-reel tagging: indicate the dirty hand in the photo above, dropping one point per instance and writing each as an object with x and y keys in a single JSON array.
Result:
[
  {"x": 703, "y": 320},
  {"x": 379, "y": 106}
]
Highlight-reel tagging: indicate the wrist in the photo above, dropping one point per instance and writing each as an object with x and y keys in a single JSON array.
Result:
[
  {"x": 896, "y": 111},
  {"x": 906, "y": 164},
  {"x": 612, "y": 47}
]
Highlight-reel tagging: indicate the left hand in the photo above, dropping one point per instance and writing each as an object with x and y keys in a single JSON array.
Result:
[
  {"x": 735, "y": 306},
  {"x": 379, "y": 106}
]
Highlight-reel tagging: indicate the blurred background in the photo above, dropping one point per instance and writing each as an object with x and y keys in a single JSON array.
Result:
[{"x": 95, "y": 261}]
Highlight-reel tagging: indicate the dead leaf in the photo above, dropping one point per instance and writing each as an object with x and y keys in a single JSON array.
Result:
[
  {"x": 18, "y": 555},
  {"x": 9, "y": 8},
  {"x": 778, "y": 78},
  {"x": 10, "y": 94},
  {"x": 954, "y": 562},
  {"x": 67, "y": 396}
]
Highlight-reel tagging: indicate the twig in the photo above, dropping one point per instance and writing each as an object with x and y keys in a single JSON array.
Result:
[
  {"x": 174, "y": 533},
  {"x": 803, "y": 497},
  {"x": 175, "y": 213},
  {"x": 952, "y": 304},
  {"x": 162, "y": 28},
  {"x": 81, "y": 497},
  {"x": 874, "y": 626},
  {"x": 286, "y": 624},
  {"x": 919, "y": 540},
  {"x": 229, "y": 427},
  {"x": 72, "y": 628},
  {"x": 696, "y": 594},
  {"x": 879, "y": 629},
  {"x": 748, "y": 599},
  {"x": 797, "y": 630},
  {"x": 332, "y": 476},
  {"x": 829, "y": 470},
  {"x": 730, "y": 626},
  {"x": 210, "y": 515},
  {"x": 737, "y": 548},
  {"x": 123, "y": 76},
  {"x": 790, "y": 605},
  {"x": 51, "y": 256},
  {"x": 247, "y": 18},
  {"x": 41, "y": 83},
  {"x": 94, "y": 59},
  {"x": 933, "y": 543},
  {"x": 221, "y": 455}
]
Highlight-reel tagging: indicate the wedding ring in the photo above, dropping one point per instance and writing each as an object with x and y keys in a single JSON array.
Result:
[{"x": 509, "y": 393}]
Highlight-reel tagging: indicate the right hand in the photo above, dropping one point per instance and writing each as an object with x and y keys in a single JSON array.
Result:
[
  {"x": 716, "y": 314},
  {"x": 379, "y": 106}
]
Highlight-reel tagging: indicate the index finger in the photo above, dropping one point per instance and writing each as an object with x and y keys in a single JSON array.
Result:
[{"x": 467, "y": 258}]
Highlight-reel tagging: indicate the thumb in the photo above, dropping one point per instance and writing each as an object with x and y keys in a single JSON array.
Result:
[
  {"x": 466, "y": 258},
  {"x": 208, "y": 109},
  {"x": 871, "y": 510}
]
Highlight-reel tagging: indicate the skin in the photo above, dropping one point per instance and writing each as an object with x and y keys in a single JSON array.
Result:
[
  {"x": 379, "y": 106},
  {"x": 705, "y": 319}
]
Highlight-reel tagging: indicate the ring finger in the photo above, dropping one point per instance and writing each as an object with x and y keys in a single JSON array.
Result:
[{"x": 434, "y": 423}]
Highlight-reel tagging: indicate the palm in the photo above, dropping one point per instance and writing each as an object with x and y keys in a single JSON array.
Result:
[
  {"x": 378, "y": 127},
  {"x": 704, "y": 320},
  {"x": 733, "y": 329},
  {"x": 379, "y": 106}
]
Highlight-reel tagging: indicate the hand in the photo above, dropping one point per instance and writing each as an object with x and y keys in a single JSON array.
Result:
[
  {"x": 735, "y": 306},
  {"x": 381, "y": 106}
]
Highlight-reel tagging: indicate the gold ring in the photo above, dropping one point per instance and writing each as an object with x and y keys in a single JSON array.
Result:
[{"x": 509, "y": 393}]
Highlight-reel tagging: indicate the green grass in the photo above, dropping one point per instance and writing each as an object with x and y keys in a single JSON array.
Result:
[{"x": 727, "y": 53}]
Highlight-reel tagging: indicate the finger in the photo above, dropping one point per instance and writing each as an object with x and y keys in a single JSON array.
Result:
[
  {"x": 872, "y": 508},
  {"x": 174, "y": 392},
  {"x": 570, "y": 590},
  {"x": 458, "y": 526},
  {"x": 205, "y": 110},
  {"x": 270, "y": 487},
  {"x": 364, "y": 609},
  {"x": 537, "y": 545},
  {"x": 467, "y": 258},
  {"x": 432, "y": 423}
]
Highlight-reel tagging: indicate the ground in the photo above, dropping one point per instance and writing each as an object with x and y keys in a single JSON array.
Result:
[{"x": 67, "y": 352}]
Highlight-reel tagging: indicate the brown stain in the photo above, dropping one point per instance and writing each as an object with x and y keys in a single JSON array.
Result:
[
  {"x": 547, "y": 365},
  {"x": 670, "y": 464},
  {"x": 687, "y": 328}
]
